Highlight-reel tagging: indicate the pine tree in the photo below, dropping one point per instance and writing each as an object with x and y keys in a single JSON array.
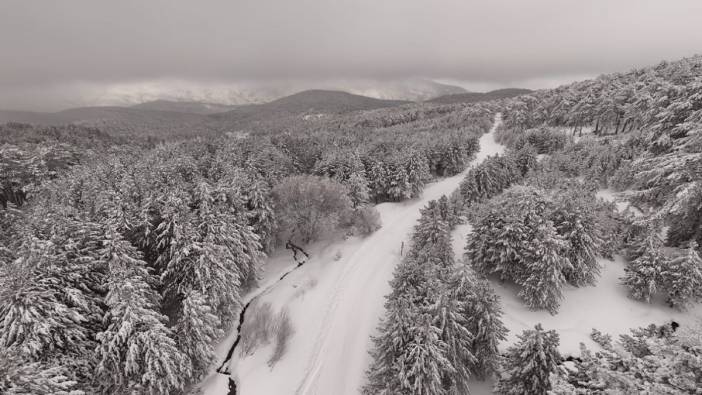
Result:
[
  {"x": 260, "y": 213},
  {"x": 378, "y": 179},
  {"x": 432, "y": 238},
  {"x": 423, "y": 364},
  {"x": 544, "y": 280},
  {"x": 398, "y": 183},
  {"x": 525, "y": 159},
  {"x": 529, "y": 363},
  {"x": 388, "y": 347},
  {"x": 681, "y": 278},
  {"x": 212, "y": 251},
  {"x": 496, "y": 245},
  {"x": 197, "y": 331},
  {"x": 575, "y": 221},
  {"x": 417, "y": 173},
  {"x": 480, "y": 306},
  {"x": 448, "y": 212},
  {"x": 642, "y": 275},
  {"x": 411, "y": 282},
  {"x": 359, "y": 192},
  {"x": 450, "y": 318},
  {"x": 137, "y": 352},
  {"x": 19, "y": 377},
  {"x": 51, "y": 295}
]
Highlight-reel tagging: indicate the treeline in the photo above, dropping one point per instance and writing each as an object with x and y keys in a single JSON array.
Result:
[
  {"x": 659, "y": 109},
  {"x": 663, "y": 99},
  {"x": 130, "y": 260},
  {"x": 30, "y": 155}
]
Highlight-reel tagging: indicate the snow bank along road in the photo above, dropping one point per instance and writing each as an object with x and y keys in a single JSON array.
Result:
[{"x": 335, "y": 302}]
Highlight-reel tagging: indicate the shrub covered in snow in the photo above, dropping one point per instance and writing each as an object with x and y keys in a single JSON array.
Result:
[
  {"x": 264, "y": 326},
  {"x": 365, "y": 220},
  {"x": 307, "y": 207}
]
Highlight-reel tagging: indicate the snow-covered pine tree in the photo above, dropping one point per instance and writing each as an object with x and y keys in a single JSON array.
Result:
[
  {"x": 417, "y": 170},
  {"x": 529, "y": 363},
  {"x": 51, "y": 295},
  {"x": 430, "y": 229},
  {"x": 449, "y": 316},
  {"x": 196, "y": 332},
  {"x": 424, "y": 362},
  {"x": 20, "y": 377},
  {"x": 642, "y": 275},
  {"x": 357, "y": 185},
  {"x": 480, "y": 306},
  {"x": 212, "y": 251},
  {"x": 478, "y": 183},
  {"x": 398, "y": 183},
  {"x": 378, "y": 180},
  {"x": 575, "y": 221},
  {"x": 496, "y": 245},
  {"x": 389, "y": 346},
  {"x": 681, "y": 278},
  {"x": 449, "y": 212},
  {"x": 137, "y": 352},
  {"x": 543, "y": 279},
  {"x": 525, "y": 159},
  {"x": 260, "y": 213}
]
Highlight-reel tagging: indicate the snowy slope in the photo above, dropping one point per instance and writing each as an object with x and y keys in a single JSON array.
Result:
[{"x": 336, "y": 305}]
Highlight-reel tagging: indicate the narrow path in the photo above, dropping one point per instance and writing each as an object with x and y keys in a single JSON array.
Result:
[{"x": 336, "y": 301}]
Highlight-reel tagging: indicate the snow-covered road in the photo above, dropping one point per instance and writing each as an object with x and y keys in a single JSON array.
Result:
[{"x": 336, "y": 301}]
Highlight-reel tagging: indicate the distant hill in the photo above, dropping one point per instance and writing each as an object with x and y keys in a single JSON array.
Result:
[
  {"x": 121, "y": 121},
  {"x": 472, "y": 97},
  {"x": 306, "y": 103},
  {"x": 411, "y": 89},
  {"x": 191, "y": 107},
  {"x": 325, "y": 101},
  {"x": 172, "y": 118}
]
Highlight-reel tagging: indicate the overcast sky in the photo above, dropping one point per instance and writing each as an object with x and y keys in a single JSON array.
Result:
[{"x": 52, "y": 50}]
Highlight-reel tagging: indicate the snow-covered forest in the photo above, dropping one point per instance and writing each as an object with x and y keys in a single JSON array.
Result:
[{"x": 543, "y": 243}]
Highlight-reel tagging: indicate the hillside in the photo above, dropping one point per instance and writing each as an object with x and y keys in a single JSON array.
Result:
[
  {"x": 191, "y": 107},
  {"x": 302, "y": 106},
  {"x": 181, "y": 119},
  {"x": 310, "y": 102},
  {"x": 472, "y": 97},
  {"x": 325, "y": 101}
]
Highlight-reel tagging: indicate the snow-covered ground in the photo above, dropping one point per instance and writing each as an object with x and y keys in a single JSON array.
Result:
[{"x": 335, "y": 305}]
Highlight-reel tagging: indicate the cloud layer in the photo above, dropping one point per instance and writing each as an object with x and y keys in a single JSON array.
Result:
[{"x": 55, "y": 46}]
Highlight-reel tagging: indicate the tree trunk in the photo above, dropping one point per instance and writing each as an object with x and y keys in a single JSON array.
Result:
[
  {"x": 626, "y": 123},
  {"x": 597, "y": 127}
]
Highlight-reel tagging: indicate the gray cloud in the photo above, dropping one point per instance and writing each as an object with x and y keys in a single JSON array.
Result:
[{"x": 50, "y": 44}]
